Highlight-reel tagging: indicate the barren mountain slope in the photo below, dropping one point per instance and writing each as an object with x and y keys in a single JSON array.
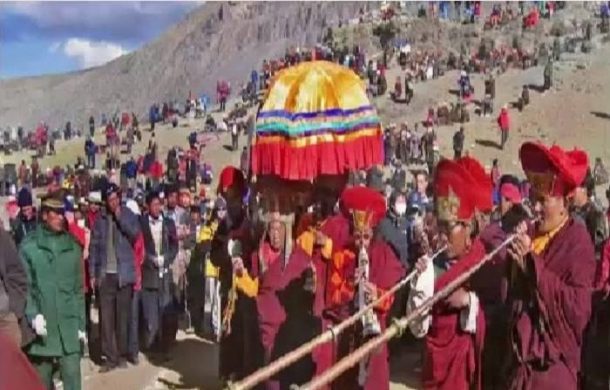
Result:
[{"x": 192, "y": 55}]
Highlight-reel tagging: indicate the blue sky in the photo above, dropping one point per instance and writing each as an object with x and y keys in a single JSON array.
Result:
[{"x": 53, "y": 37}]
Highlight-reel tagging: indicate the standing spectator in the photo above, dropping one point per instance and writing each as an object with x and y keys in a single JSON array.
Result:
[
  {"x": 91, "y": 126},
  {"x": 234, "y": 136},
  {"x": 161, "y": 247},
  {"x": 113, "y": 272},
  {"x": 504, "y": 124},
  {"x": 26, "y": 219},
  {"x": 55, "y": 302},
  {"x": 35, "y": 171},
  {"x": 22, "y": 173},
  {"x": 13, "y": 291},
  {"x": 134, "y": 323},
  {"x": 90, "y": 150},
  {"x": 548, "y": 75},
  {"x": 458, "y": 143},
  {"x": 131, "y": 171}
]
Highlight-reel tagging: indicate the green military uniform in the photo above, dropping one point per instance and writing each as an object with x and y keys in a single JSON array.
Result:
[{"x": 53, "y": 264}]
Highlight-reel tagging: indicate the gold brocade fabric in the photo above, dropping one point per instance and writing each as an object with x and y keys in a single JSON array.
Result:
[{"x": 315, "y": 86}]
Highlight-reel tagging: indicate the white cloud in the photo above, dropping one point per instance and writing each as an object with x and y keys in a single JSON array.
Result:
[{"x": 92, "y": 53}]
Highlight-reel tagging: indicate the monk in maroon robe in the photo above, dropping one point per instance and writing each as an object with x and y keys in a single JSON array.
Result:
[
  {"x": 455, "y": 331},
  {"x": 239, "y": 334},
  {"x": 551, "y": 277},
  {"x": 322, "y": 234},
  {"x": 367, "y": 207},
  {"x": 283, "y": 286},
  {"x": 16, "y": 372}
]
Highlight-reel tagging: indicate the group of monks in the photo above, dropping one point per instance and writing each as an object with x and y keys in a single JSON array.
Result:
[{"x": 516, "y": 323}]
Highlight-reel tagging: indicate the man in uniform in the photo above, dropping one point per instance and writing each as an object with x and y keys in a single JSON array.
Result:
[{"x": 55, "y": 304}]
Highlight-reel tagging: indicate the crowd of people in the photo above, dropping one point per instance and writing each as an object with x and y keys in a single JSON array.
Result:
[
  {"x": 114, "y": 272},
  {"x": 110, "y": 264}
]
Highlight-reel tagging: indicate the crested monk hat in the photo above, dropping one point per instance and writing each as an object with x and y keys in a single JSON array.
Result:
[{"x": 553, "y": 171}]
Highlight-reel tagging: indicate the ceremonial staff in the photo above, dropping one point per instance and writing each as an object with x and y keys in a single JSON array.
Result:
[
  {"x": 330, "y": 334},
  {"x": 398, "y": 326}
]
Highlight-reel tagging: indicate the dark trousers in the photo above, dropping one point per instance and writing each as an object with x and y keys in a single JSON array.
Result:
[
  {"x": 134, "y": 325},
  {"x": 504, "y": 137},
  {"x": 161, "y": 319},
  {"x": 91, "y": 161},
  {"x": 234, "y": 142},
  {"x": 115, "y": 305},
  {"x": 457, "y": 154}
]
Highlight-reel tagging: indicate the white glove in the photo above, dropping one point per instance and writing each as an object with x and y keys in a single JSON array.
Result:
[
  {"x": 82, "y": 336},
  {"x": 160, "y": 261},
  {"x": 40, "y": 325}
]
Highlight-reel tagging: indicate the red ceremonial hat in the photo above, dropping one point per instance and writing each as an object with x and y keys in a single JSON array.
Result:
[
  {"x": 484, "y": 198},
  {"x": 456, "y": 192},
  {"x": 231, "y": 182},
  {"x": 552, "y": 170},
  {"x": 366, "y": 206}
]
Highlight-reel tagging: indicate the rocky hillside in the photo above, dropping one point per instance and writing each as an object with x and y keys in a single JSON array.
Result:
[{"x": 192, "y": 55}]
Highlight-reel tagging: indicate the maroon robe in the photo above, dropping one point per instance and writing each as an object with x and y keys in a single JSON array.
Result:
[
  {"x": 452, "y": 358},
  {"x": 551, "y": 307},
  {"x": 284, "y": 312},
  {"x": 16, "y": 372},
  {"x": 337, "y": 229},
  {"x": 385, "y": 271}
]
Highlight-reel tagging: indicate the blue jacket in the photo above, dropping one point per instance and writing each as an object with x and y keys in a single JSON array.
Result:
[
  {"x": 131, "y": 169},
  {"x": 128, "y": 229},
  {"x": 89, "y": 147}
]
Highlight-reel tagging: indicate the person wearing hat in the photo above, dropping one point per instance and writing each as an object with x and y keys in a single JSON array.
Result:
[
  {"x": 94, "y": 201},
  {"x": 25, "y": 222},
  {"x": 453, "y": 330},
  {"x": 552, "y": 273},
  {"x": 112, "y": 269},
  {"x": 490, "y": 281},
  {"x": 365, "y": 208},
  {"x": 161, "y": 248},
  {"x": 239, "y": 336},
  {"x": 55, "y": 305}
]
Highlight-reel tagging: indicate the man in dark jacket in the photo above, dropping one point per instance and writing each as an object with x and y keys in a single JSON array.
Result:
[
  {"x": 160, "y": 250},
  {"x": 112, "y": 268},
  {"x": 26, "y": 219},
  {"x": 589, "y": 213},
  {"x": 458, "y": 143},
  {"x": 131, "y": 172},
  {"x": 90, "y": 152},
  {"x": 394, "y": 227},
  {"x": 13, "y": 291}
]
